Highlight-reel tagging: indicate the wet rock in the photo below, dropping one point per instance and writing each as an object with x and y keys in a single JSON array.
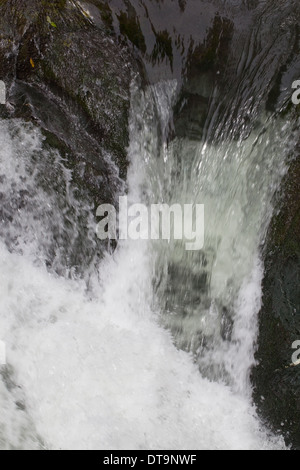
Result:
[
  {"x": 204, "y": 68},
  {"x": 130, "y": 27},
  {"x": 60, "y": 72},
  {"x": 276, "y": 382},
  {"x": 71, "y": 78}
]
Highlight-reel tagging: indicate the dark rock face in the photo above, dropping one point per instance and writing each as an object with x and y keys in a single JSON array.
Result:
[
  {"x": 71, "y": 79},
  {"x": 60, "y": 72},
  {"x": 202, "y": 75},
  {"x": 277, "y": 384}
]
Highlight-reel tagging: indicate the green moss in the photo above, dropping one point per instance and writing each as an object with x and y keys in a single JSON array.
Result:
[
  {"x": 130, "y": 27},
  {"x": 213, "y": 54},
  {"x": 182, "y": 4},
  {"x": 55, "y": 5},
  {"x": 106, "y": 14},
  {"x": 163, "y": 47}
]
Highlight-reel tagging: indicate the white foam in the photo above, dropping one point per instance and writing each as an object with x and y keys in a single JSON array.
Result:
[{"x": 99, "y": 372}]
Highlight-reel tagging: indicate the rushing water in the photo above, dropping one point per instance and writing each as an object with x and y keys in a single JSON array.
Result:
[{"x": 95, "y": 365}]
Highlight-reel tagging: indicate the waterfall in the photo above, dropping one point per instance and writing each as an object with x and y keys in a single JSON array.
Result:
[
  {"x": 154, "y": 350},
  {"x": 210, "y": 299}
]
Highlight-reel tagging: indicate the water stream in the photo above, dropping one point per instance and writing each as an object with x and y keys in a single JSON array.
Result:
[{"x": 152, "y": 348}]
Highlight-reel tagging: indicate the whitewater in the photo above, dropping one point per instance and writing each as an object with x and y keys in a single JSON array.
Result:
[{"x": 94, "y": 365}]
